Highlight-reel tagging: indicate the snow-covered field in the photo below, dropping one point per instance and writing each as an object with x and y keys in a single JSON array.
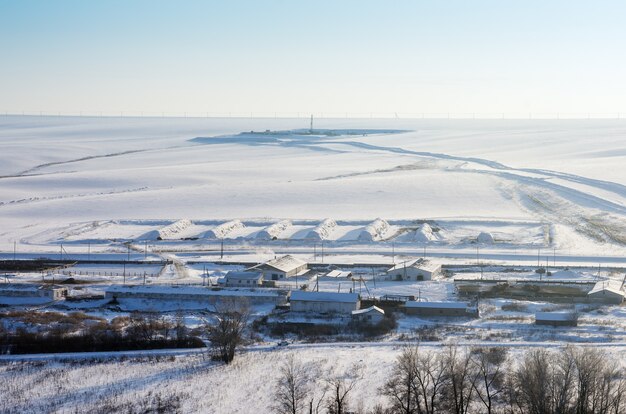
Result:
[
  {"x": 526, "y": 183},
  {"x": 470, "y": 193}
]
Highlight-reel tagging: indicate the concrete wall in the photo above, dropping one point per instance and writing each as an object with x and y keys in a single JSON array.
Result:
[
  {"x": 323, "y": 307},
  {"x": 279, "y": 299},
  {"x": 606, "y": 296},
  {"x": 437, "y": 312},
  {"x": 242, "y": 283},
  {"x": 557, "y": 323}
]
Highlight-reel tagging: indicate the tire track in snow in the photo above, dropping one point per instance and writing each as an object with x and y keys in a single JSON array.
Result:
[{"x": 587, "y": 213}]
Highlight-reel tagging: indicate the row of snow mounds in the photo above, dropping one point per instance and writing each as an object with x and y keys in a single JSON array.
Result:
[
  {"x": 173, "y": 229},
  {"x": 374, "y": 231},
  {"x": 424, "y": 233},
  {"x": 323, "y": 230},
  {"x": 485, "y": 238},
  {"x": 221, "y": 231},
  {"x": 273, "y": 231}
]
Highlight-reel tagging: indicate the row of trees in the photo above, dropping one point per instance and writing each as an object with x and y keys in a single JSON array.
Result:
[
  {"x": 461, "y": 380},
  {"x": 77, "y": 333}
]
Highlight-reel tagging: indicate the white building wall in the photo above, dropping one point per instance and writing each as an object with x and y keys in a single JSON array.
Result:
[{"x": 323, "y": 307}]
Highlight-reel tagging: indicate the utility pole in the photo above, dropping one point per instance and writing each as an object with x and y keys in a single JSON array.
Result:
[
  {"x": 222, "y": 249},
  {"x": 61, "y": 252},
  {"x": 145, "y": 249},
  {"x": 128, "y": 251},
  {"x": 477, "y": 255},
  {"x": 124, "y": 272}
]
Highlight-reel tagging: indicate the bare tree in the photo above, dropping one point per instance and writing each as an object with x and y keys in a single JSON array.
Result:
[
  {"x": 340, "y": 385},
  {"x": 491, "y": 374},
  {"x": 598, "y": 384},
  {"x": 430, "y": 379},
  {"x": 227, "y": 332},
  {"x": 402, "y": 382},
  {"x": 461, "y": 376},
  {"x": 531, "y": 382},
  {"x": 292, "y": 387}
]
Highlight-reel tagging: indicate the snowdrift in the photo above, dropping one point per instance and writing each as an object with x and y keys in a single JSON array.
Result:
[
  {"x": 485, "y": 238},
  {"x": 323, "y": 230},
  {"x": 374, "y": 231},
  {"x": 274, "y": 231},
  {"x": 424, "y": 233},
  {"x": 221, "y": 231},
  {"x": 170, "y": 231}
]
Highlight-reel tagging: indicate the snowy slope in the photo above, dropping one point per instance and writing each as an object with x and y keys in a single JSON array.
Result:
[{"x": 568, "y": 174}]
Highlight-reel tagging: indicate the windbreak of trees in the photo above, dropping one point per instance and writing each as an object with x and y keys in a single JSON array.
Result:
[
  {"x": 572, "y": 380},
  {"x": 78, "y": 334}
]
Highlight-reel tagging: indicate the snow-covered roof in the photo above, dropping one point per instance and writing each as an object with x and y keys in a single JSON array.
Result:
[
  {"x": 232, "y": 275},
  {"x": 368, "y": 310},
  {"x": 439, "y": 305},
  {"x": 421, "y": 264},
  {"x": 300, "y": 295},
  {"x": 555, "y": 316},
  {"x": 613, "y": 286},
  {"x": 339, "y": 273},
  {"x": 188, "y": 290},
  {"x": 285, "y": 263},
  {"x": 27, "y": 287}
]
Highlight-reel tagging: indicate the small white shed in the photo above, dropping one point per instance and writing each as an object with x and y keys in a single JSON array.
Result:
[
  {"x": 414, "y": 270},
  {"x": 607, "y": 291},
  {"x": 281, "y": 268},
  {"x": 372, "y": 315}
]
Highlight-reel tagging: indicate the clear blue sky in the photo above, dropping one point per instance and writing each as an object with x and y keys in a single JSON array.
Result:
[{"x": 313, "y": 56}]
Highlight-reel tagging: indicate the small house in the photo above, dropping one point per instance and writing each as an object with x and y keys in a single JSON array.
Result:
[
  {"x": 607, "y": 291},
  {"x": 324, "y": 302},
  {"x": 440, "y": 309},
  {"x": 243, "y": 279},
  {"x": 372, "y": 315},
  {"x": 417, "y": 270},
  {"x": 556, "y": 318},
  {"x": 281, "y": 268}
]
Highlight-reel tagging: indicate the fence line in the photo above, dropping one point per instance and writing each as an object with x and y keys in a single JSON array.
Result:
[{"x": 322, "y": 115}]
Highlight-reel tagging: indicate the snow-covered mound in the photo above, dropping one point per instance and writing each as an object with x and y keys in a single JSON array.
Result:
[
  {"x": 566, "y": 274},
  {"x": 375, "y": 230},
  {"x": 221, "y": 231},
  {"x": 485, "y": 238},
  {"x": 273, "y": 231},
  {"x": 424, "y": 233},
  {"x": 170, "y": 231},
  {"x": 323, "y": 230}
]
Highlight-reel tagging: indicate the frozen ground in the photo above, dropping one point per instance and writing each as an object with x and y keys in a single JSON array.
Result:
[{"x": 191, "y": 383}]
